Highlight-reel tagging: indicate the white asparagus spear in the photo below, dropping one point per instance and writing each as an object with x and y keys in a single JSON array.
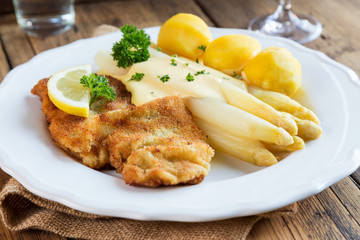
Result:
[
  {"x": 248, "y": 150},
  {"x": 237, "y": 121},
  {"x": 283, "y": 103},
  {"x": 308, "y": 130},
  {"x": 297, "y": 145},
  {"x": 241, "y": 99}
]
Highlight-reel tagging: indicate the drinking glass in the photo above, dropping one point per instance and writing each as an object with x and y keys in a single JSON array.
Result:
[
  {"x": 285, "y": 23},
  {"x": 44, "y": 17}
]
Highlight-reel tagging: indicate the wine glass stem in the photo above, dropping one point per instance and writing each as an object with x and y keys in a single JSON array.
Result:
[
  {"x": 284, "y": 16},
  {"x": 285, "y": 23},
  {"x": 286, "y": 4}
]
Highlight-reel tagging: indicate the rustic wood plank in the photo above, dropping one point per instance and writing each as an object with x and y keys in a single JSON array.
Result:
[
  {"x": 312, "y": 222},
  {"x": 356, "y": 177},
  {"x": 236, "y": 13},
  {"x": 338, "y": 39},
  {"x": 15, "y": 41},
  {"x": 273, "y": 228},
  {"x": 337, "y": 207},
  {"x": 4, "y": 65},
  {"x": 166, "y": 9},
  {"x": 349, "y": 195}
]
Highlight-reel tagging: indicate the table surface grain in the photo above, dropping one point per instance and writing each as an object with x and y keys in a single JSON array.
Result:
[{"x": 332, "y": 214}]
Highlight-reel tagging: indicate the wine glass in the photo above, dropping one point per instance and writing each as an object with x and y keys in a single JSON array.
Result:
[{"x": 285, "y": 23}]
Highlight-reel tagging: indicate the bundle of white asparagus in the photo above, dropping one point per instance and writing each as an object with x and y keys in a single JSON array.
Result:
[{"x": 251, "y": 124}]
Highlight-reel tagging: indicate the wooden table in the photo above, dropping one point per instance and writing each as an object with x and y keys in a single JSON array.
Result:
[{"x": 331, "y": 214}]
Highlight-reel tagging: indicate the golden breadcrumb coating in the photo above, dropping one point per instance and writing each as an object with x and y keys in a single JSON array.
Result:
[
  {"x": 159, "y": 144},
  {"x": 153, "y": 144},
  {"x": 82, "y": 137}
]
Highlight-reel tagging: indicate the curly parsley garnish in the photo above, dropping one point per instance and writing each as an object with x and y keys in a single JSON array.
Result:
[
  {"x": 202, "y": 47},
  {"x": 164, "y": 78},
  {"x": 99, "y": 86},
  {"x": 237, "y": 76},
  {"x": 136, "y": 77},
  {"x": 132, "y": 48},
  {"x": 190, "y": 77}
]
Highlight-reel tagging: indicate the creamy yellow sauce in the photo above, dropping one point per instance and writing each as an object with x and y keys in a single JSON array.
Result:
[{"x": 150, "y": 87}]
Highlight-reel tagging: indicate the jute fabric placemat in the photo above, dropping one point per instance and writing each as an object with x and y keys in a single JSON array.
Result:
[{"x": 22, "y": 210}]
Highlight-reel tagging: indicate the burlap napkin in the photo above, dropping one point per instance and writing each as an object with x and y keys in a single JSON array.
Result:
[{"x": 21, "y": 210}]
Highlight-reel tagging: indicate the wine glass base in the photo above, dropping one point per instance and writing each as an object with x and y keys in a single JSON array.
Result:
[{"x": 301, "y": 28}]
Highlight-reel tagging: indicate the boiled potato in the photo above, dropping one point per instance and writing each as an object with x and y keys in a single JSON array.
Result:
[
  {"x": 183, "y": 34},
  {"x": 274, "y": 69},
  {"x": 230, "y": 53}
]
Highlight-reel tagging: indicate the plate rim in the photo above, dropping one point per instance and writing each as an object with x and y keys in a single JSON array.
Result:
[{"x": 27, "y": 181}]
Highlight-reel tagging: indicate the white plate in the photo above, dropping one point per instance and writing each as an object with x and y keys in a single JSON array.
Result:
[{"x": 232, "y": 188}]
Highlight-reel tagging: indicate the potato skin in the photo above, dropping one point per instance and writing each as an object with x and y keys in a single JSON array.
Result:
[
  {"x": 230, "y": 53},
  {"x": 183, "y": 34}
]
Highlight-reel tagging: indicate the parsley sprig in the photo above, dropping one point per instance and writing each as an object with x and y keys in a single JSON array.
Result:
[
  {"x": 173, "y": 62},
  {"x": 202, "y": 47},
  {"x": 164, "y": 78},
  {"x": 190, "y": 77},
  {"x": 132, "y": 48},
  {"x": 99, "y": 86},
  {"x": 137, "y": 77},
  {"x": 201, "y": 72}
]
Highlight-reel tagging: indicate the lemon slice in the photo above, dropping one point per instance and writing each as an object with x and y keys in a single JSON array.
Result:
[{"x": 67, "y": 93}]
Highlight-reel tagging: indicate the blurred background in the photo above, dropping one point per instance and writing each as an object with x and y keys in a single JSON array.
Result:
[{"x": 6, "y": 6}]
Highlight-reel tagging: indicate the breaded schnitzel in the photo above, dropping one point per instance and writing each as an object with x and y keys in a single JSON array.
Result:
[
  {"x": 78, "y": 136},
  {"x": 153, "y": 144},
  {"x": 158, "y": 143}
]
